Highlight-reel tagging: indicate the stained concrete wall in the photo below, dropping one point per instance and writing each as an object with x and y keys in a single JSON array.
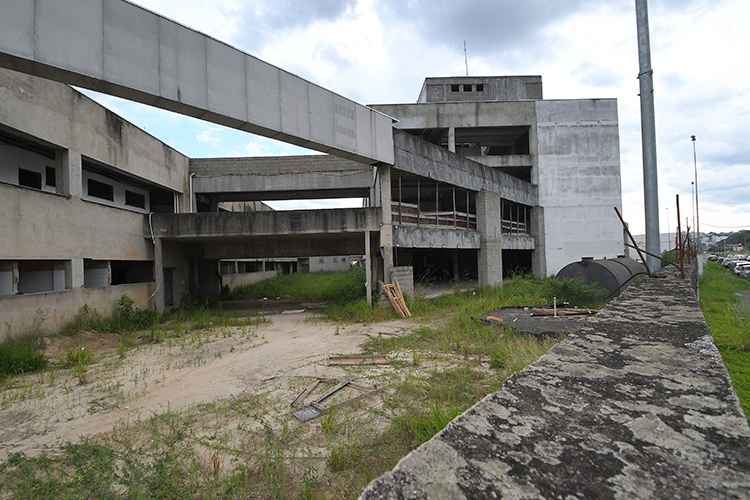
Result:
[
  {"x": 65, "y": 119},
  {"x": 579, "y": 179},
  {"x": 293, "y": 177},
  {"x": 121, "y": 49},
  {"x": 47, "y": 312},
  {"x": 495, "y": 88},
  {"x": 637, "y": 404}
]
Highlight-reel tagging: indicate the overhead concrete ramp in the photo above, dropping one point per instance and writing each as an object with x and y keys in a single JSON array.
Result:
[{"x": 124, "y": 50}]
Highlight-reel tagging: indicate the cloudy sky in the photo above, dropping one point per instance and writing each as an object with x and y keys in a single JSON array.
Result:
[{"x": 379, "y": 51}]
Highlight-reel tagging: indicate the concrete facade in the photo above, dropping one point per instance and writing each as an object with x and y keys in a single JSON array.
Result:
[
  {"x": 566, "y": 150},
  {"x": 483, "y": 180}
]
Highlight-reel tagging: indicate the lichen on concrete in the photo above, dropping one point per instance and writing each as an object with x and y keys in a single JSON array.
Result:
[{"x": 637, "y": 404}]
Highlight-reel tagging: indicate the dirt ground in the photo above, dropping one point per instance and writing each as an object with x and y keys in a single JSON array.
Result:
[{"x": 278, "y": 356}]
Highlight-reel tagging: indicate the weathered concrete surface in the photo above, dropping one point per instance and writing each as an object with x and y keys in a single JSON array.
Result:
[
  {"x": 124, "y": 50},
  {"x": 638, "y": 404},
  {"x": 435, "y": 237}
]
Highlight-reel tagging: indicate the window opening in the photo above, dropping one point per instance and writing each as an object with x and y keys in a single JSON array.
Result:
[
  {"x": 101, "y": 190},
  {"x": 467, "y": 88},
  {"x": 480, "y": 87},
  {"x": 135, "y": 199},
  {"x": 29, "y": 178},
  {"x": 50, "y": 177},
  {"x": 455, "y": 88}
]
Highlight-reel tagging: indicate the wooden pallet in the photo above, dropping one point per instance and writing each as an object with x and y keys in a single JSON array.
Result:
[{"x": 393, "y": 292}]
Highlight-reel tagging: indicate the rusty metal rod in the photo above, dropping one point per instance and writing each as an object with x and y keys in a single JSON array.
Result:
[{"x": 625, "y": 226}]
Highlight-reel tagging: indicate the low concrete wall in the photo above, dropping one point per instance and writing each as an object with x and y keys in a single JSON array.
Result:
[
  {"x": 242, "y": 279},
  {"x": 47, "y": 312},
  {"x": 405, "y": 277},
  {"x": 638, "y": 404}
]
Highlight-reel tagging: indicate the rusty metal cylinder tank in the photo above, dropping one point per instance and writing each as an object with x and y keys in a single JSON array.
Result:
[{"x": 609, "y": 273}]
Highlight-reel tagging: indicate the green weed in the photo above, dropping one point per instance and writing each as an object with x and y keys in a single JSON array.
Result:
[{"x": 19, "y": 355}]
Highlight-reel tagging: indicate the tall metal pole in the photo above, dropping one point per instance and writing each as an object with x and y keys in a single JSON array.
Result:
[
  {"x": 692, "y": 204},
  {"x": 669, "y": 242},
  {"x": 648, "y": 134},
  {"x": 697, "y": 218}
]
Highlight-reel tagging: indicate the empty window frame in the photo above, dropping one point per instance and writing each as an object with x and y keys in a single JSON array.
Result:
[
  {"x": 133, "y": 199},
  {"x": 480, "y": 87},
  {"x": 455, "y": 88},
  {"x": 50, "y": 177},
  {"x": 131, "y": 271},
  {"x": 101, "y": 190},
  {"x": 467, "y": 87},
  {"x": 29, "y": 178}
]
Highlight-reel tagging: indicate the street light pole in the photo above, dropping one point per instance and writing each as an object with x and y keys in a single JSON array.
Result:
[
  {"x": 697, "y": 219},
  {"x": 692, "y": 206}
]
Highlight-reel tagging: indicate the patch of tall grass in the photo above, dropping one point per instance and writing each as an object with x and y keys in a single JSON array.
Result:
[
  {"x": 729, "y": 323},
  {"x": 339, "y": 287},
  {"x": 20, "y": 355}
]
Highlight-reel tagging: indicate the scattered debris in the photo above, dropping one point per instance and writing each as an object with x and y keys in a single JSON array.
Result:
[
  {"x": 378, "y": 359},
  {"x": 315, "y": 409},
  {"x": 393, "y": 292},
  {"x": 495, "y": 318},
  {"x": 566, "y": 311},
  {"x": 293, "y": 311}
]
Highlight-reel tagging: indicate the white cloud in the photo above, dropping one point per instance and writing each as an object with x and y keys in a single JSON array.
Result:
[{"x": 210, "y": 136}]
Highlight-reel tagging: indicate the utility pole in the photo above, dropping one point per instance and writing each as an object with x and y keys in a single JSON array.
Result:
[
  {"x": 697, "y": 219},
  {"x": 648, "y": 134}
]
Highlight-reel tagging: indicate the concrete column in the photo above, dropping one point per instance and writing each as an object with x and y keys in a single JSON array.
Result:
[
  {"x": 74, "y": 273},
  {"x": 386, "y": 228},
  {"x": 452, "y": 139},
  {"x": 368, "y": 267},
  {"x": 538, "y": 257},
  {"x": 490, "y": 261},
  {"x": 159, "y": 275},
  {"x": 69, "y": 173}
]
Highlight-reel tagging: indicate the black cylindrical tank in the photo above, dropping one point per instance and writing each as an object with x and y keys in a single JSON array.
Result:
[{"x": 609, "y": 273}]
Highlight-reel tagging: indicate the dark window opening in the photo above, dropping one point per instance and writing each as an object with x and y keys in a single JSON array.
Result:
[
  {"x": 135, "y": 199},
  {"x": 455, "y": 88},
  {"x": 101, "y": 190},
  {"x": 131, "y": 271},
  {"x": 467, "y": 88},
  {"x": 480, "y": 87},
  {"x": 516, "y": 263},
  {"x": 51, "y": 177},
  {"x": 29, "y": 178}
]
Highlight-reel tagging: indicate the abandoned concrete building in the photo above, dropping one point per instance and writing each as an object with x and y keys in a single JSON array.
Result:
[{"x": 479, "y": 179}]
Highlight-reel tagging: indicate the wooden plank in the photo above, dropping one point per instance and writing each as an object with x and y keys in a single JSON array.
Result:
[
  {"x": 332, "y": 390},
  {"x": 304, "y": 394},
  {"x": 378, "y": 359},
  {"x": 355, "y": 399}
]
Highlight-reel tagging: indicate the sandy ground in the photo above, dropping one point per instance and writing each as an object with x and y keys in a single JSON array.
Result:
[{"x": 46, "y": 410}]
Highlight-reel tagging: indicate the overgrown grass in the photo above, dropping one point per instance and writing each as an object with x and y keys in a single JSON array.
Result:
[
  {"x": 730, "y": 325},
  {"x": 338, "y": 287},
  {"x": 20, "y": 355}
]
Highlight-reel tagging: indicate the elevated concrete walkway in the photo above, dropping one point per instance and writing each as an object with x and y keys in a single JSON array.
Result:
[{"x": 637, "y": 405}]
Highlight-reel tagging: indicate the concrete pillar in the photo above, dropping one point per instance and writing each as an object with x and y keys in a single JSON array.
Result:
[
  {"x": 69, "y": 173},
  {"x": 368, "y": 267},
  {"x": 74, "y": 273},
  {"x": 536, "y": 229},
  {"x": 159, "y": 275},
  {"x": 490, "y": 260},
  {"x": 452, "y": 139},
  {"x": 386, "y": 228}
]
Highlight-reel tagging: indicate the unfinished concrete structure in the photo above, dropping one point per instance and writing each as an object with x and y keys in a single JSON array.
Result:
[{"x": 480, "y": 182}]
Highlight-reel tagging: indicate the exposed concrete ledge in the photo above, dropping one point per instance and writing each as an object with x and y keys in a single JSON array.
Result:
[{"x": 636, "y": 405}]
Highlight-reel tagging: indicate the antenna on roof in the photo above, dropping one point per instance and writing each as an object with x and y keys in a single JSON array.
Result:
[{"x": 466, "y": 59}]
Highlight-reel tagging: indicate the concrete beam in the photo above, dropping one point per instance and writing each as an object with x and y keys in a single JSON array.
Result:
[
  {"x": 428, "y": 160},
  {"x": 422, "y": 237},
  {"x": 271, "y": 223},
  {"x": 124, "y": 50}
]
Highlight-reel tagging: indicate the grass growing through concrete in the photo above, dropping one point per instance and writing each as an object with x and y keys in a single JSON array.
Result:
[{"x": 729, "y": 322}]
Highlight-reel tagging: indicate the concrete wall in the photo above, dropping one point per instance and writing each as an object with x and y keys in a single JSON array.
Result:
[
  {"x": 636, "y": 404},
  {"x": 125, "y": 50},
  {"x": 495, "y": 88},
  {"x": 579, "y": 180},
  {"x": 65, "y": 119},
  {"x": 242, "y": 279},
  {"x": 405, "y": 277},
  {"x": 47, "y": 312}
]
